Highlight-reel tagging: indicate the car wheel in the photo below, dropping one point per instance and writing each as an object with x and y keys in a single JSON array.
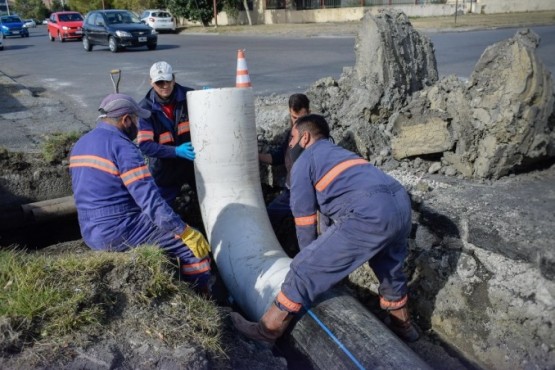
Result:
[
  {"x": 113, "y": 45},
  {"x": 151, "y": 46},
  {"x": 60, "y": 38},
  {"x": 86, "y": 44},
  {"x": 50, "y": 36}
]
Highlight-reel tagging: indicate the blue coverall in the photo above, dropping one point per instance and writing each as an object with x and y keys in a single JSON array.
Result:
[
  {"x": 279, "y": 208},
  {"x": 371, "y": 214},
  {"x": 159, "y": 135},
  {"x": 118, "y": 203}
]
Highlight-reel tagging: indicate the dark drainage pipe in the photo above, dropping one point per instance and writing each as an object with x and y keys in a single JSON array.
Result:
[
  {"x": 37, "y": 212},
  {"x": 340, "y": 333}
]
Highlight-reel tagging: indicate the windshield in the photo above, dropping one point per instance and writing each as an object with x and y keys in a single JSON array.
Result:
[
  {"x": 11, "y": 19},
  {"x": 121, "y": 17},
  {"x": 70, "y": 17}
]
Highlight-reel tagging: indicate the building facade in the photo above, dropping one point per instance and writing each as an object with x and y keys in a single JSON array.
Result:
[{"x": 316, "y": 11}]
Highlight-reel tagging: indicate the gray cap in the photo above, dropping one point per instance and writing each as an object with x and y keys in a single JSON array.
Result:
[{"x": 117, "y": 105}]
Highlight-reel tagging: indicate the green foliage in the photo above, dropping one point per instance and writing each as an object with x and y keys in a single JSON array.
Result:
[
  {"x": 231, "y": 7},
  {"x": 31, "y": 9},
  {"x": 139, "y": 5},
  {"x": 57, "y": 6},
  {"x": 50, "y": 298},
  {"x": 84, "y": 6},
  {"x": 57, "y": 146},
  {"x": 195, "y": 10}
]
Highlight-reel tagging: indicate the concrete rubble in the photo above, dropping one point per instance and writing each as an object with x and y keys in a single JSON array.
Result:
[{"x": 477, "y": 157}]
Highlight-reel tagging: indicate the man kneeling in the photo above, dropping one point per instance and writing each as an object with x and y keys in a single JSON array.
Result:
[{"x": 371, "y": 214}]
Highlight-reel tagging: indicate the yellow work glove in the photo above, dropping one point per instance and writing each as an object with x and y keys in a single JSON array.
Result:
[{"x": 196, "y": 242}]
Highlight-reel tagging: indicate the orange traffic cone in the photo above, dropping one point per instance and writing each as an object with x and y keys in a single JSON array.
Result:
[{"x": 243, "y": 79}]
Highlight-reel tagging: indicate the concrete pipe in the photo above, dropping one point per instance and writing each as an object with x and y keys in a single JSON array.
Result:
[
  {"x": 249, "y": 257},
  {"x": 337, "y": 333}
]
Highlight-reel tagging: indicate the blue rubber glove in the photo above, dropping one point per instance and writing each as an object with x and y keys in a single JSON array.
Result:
[{"x": 186, "y": 151}]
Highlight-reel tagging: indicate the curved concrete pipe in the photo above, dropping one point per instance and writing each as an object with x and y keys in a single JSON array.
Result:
[{"x": 248, "y": 255}]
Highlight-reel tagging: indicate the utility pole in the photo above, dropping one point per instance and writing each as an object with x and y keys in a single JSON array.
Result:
[
  {"x": 215, "y": 13},
  {"x": 8, "y": 6}
]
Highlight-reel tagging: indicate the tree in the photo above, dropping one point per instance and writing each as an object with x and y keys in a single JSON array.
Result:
[
  {"x": 195, "y": 10},
  {"x": 84, "y": 6},
  {"x": 138, "y": 5},
  {"x": 31, "y": 9},
  {"x": 57, "y": 6}
]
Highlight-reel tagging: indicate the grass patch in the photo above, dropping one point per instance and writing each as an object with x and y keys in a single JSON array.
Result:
[
  {"x": 57, "y": 146},
  {"x": 46, "y": 299}
]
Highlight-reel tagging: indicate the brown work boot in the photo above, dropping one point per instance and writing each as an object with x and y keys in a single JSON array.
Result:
[
  {"x": 401, "y": 325},
  {"x": 270, "y": 327}
]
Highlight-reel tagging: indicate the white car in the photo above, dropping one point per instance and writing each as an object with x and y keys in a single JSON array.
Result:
[
  {"x": 160, "y": 20},
  {"x": 29, "y": 23}
]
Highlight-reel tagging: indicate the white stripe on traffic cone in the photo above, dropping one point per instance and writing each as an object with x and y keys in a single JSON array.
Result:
[{"x": 243, "y": 79}]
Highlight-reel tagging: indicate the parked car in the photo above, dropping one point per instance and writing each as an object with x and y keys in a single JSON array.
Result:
[
  {"x": 65, "y": 26},
  {"x": 12, "y": 25},
  {"x": 118, "y": 29},
  {"x": 160, "y": 20},
  {"x": 29, "y": 23},
  {"x": 45, "y": 21}
]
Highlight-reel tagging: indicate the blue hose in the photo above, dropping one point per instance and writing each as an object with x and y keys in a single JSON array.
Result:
[{"x": 335, "y": 339}]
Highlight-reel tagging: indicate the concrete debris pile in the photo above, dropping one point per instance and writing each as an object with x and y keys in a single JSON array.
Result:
[
  {"x": 393, "y": 61},
  {"x": 496, "y": 124},
  {"x": 391, "y": 109},
  {"x": 481, "y": 259}
]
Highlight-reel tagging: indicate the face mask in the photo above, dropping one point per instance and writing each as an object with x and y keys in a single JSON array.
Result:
[
  {"x": 131, "y": 131},
  {"x": 296, "y": 151}
]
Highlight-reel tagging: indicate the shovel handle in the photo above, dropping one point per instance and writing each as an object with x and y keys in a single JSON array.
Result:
[{"x": 115, "y": 72}]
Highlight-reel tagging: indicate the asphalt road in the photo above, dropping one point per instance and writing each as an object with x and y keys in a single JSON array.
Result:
[{"x": 280, "y": 65}]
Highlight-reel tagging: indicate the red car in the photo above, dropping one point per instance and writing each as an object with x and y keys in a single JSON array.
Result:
[{"x": 65, "y": 25}]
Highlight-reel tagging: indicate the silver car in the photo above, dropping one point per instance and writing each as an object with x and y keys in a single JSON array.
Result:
[
  {"x": 160, "y": 20},
  {"x": 29, "y": 23}
]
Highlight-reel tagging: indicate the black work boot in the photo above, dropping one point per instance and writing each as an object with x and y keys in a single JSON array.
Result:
[{"x": 401, "y": 325}]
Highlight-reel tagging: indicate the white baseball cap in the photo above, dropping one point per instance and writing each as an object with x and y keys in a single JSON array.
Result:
[{"x": 161, "y": 71}]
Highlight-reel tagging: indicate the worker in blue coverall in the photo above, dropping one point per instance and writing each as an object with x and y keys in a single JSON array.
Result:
[
  {"x": 371, "y": 215},
  {"x": 118, "y": 204},
  {"x": 165, "y": 137},
  {"x": 279, "y": 208}
]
